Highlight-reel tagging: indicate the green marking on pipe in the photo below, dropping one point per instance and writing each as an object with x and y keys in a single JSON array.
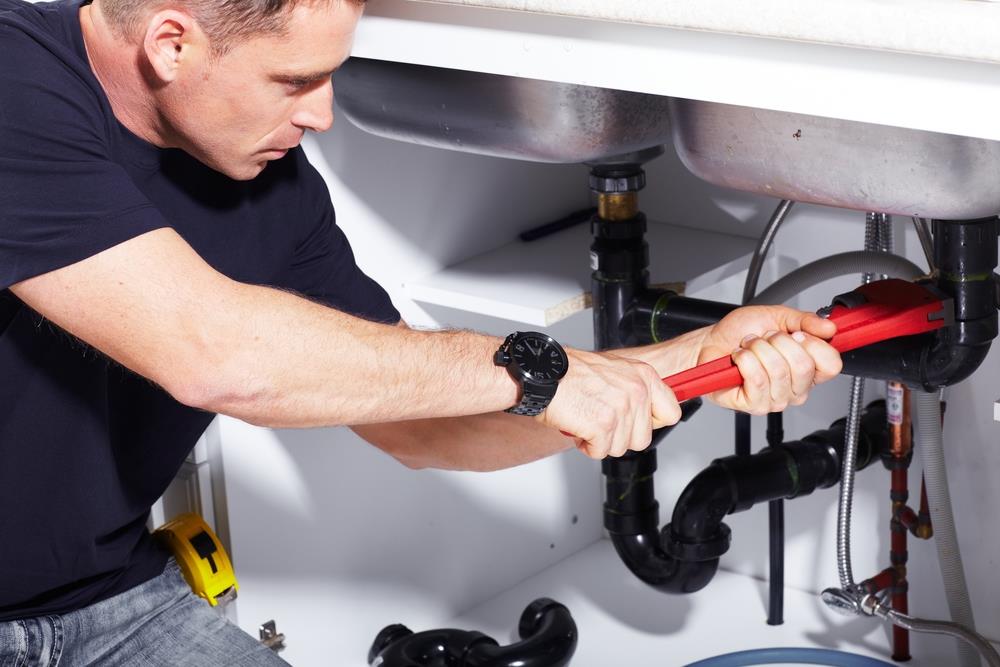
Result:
[
  {"x": 633, "y": 481},
  {"x": 967, "y": 277},
  {"x": 793, "y": 471},
  {"x": 658, "y": 307}
]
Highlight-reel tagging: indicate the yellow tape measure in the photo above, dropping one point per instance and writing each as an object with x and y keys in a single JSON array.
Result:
[{"x": 200, "y": 555}]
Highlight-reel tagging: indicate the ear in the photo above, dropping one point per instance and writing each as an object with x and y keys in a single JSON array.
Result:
[{"x": 172, "y": 39}]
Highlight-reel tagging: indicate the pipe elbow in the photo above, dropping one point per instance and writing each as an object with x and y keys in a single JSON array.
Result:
[
  {"x": 684, "y": 556},
  {"x": 702, "y": 505},
  {"x": 645, "y": 558},
  {"x": 548, "y": 639},
  {"x": 927, "y": 362},
  {"x": 947, "y": 364}
]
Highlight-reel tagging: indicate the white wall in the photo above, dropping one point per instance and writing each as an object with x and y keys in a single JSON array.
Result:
[{"x": 335, "y": 540}]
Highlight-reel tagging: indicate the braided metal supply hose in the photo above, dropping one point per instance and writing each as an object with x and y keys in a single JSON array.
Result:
[
  {"x": 878, "y": 238},
  {"x": 846, "y": 497},
  {"x": 969, "y": 642}
]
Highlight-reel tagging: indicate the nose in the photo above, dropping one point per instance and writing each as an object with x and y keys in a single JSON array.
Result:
[{"x": 315, "y": 109}]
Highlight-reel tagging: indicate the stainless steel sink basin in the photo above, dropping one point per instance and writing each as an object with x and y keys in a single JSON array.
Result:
[
  {"x": 503, "y": 116},
  {"x": 784, "y": 155},
  {"x": 838, "y": 163}
]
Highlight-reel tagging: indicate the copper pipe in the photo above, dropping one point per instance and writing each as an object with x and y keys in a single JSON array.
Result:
[
  {"x": 900, "y": 421},
  {"x": 904, "y": 519}
]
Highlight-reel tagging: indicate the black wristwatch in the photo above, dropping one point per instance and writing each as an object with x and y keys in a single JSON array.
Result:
[{"x": 537, "y": 363}]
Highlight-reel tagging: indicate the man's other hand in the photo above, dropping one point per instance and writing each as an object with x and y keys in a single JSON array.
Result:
[
  {"x": 610, "y": 404},
  {"x": 781, "y": 352}
]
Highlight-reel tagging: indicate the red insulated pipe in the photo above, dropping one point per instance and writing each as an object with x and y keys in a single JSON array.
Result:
[
  {"x": 901, "y": 444},
  {"x": 881, "y": 581},
  {"x": 900, "y": 636},
  {"x": 898, "y": 555},
  {"x": 906, "y": 516}
]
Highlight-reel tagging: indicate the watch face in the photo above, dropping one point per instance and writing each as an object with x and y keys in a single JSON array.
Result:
[{"x": 539, "y": 357}]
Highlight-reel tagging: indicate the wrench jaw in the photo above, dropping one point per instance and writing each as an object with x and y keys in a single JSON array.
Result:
[
  {"x": 946, "y": 314},
  {"x": 884, "y": 310},
  {"x": 896, "y": 330}
]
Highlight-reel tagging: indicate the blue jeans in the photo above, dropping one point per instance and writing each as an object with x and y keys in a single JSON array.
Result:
[{"x": 160, "y": 622}]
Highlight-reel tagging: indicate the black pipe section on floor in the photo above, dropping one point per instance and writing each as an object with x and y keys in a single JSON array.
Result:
[
  {"x": 684, "y": 556},
  {"x": 548, "y": 639}
]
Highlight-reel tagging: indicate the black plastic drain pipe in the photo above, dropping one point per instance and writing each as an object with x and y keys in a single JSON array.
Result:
[
  {"x": 627, "y": 312},
  {"x": 548, "y": 639},
  {"x": 776, "y": 534},
  {"x": 965, "y": 254},
  {"x": 658, "y": 315},
  {"x": 684, "y": 556}
]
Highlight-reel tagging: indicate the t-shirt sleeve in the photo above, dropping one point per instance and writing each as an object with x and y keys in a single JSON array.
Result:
[
  {"x": 324, "y": 267},
  {"x": 62, "y": 197}
]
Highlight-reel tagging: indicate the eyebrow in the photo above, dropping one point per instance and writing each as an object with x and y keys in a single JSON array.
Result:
[{"x": 303, "y": 76}]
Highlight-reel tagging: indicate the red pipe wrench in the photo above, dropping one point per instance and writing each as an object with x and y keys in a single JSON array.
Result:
[{"x": 870, "y": 314}]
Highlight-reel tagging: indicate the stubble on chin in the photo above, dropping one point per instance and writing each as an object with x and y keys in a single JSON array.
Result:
[{"x": 248, "y": 172}]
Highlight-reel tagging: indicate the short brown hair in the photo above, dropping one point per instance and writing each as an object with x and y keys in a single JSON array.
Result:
[{"x": 222, "y": 20}]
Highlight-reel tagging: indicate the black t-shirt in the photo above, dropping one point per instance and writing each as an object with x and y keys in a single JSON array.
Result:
[{"x": 86, "y": 446}]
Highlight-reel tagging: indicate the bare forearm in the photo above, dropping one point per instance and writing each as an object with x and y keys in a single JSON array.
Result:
[
  {"x": 480, "y": 442},
  {"x": 260, "y": 354},
  {"x": 292, "y": 363},
  {"x": 673, "y": 356}
]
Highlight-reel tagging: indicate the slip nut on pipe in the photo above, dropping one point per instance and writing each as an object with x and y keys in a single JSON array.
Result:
[{"x": 694, "y": 552}]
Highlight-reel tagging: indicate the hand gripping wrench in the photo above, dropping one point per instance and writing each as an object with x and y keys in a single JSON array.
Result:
[{"x": 870, "y": 314}]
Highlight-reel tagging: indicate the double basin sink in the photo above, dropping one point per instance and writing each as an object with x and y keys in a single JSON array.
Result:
[{"x": 803, "y": 158}]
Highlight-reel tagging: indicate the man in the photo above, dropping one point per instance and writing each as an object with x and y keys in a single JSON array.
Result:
[{"x": 167, "y": 253}]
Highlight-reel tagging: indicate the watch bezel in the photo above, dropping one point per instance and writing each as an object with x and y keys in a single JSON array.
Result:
[{"x": 525, "y": 374}]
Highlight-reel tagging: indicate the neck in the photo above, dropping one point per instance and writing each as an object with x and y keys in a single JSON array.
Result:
[{"x": 116, "y": 64}]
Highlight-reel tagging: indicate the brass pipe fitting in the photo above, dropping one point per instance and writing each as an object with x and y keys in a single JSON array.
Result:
[{"x": 618, "y": 206}]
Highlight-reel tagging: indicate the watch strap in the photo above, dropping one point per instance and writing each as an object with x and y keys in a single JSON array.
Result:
[{"x": 534, "y": 400}]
